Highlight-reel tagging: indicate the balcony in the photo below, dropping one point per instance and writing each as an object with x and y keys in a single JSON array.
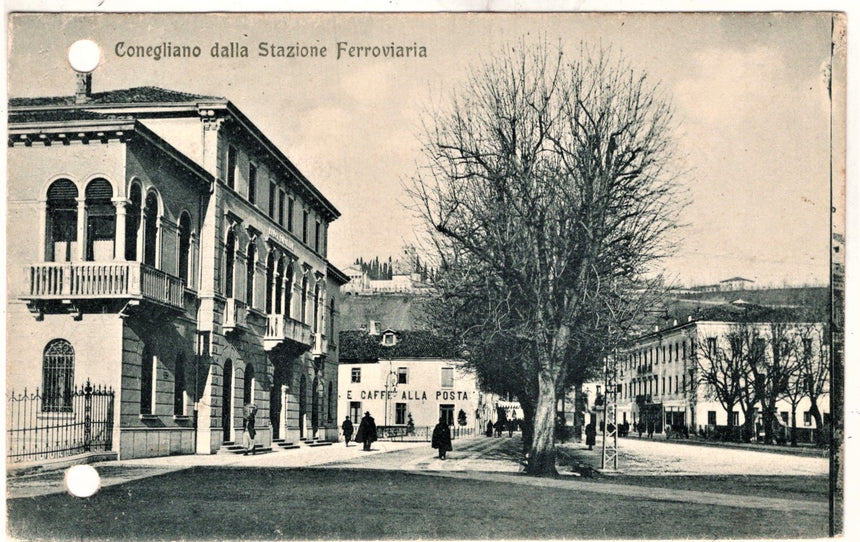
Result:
[
  {"x": 320, "y": 347},
  {"x": 79, "y": 281},
  {"x": 235, "y": 315},
  {"x": 281, "y": 328}
]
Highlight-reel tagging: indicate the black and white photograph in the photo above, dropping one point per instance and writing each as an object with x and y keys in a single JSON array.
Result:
[{"x": 440, "y": 275}]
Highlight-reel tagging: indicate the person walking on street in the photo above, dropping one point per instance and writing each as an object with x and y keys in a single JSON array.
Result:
[
  {"x": 441, "y": 438},
  {"x": 366, "y": 431},
  {"x": 347, "y": 430},
  {"x": 590, "y": 435},
  {"x": 249, "y": 415},
  {"x": 489, "y": 431}
]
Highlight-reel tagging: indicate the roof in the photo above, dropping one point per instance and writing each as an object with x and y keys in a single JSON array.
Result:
[
  {"x": 733, "y": 279},
  {"x": 134, "y": 95},
  {"x": 359, "y": 346},
  {"x": 61, "y": 115}
]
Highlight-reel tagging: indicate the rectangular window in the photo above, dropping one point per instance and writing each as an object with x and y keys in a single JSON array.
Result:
[
  {"x": 784, "y": 415},
  {"x": 735, "y": 418},
  {"x": 712, "y": 417},
  {"x": 447, "y": 377},
  {"x": 356, "y": 375},
  {"x": 273, "y": 199},
  {"x": 807, "y": 349},
  {"x": 401, "y": 375},
  {"x": 400, "y": 413},
  {"x": 355, "y": 411},
  {"x": 676, "y": 383},
  {"x": 305, "y": 227},
  {"x": 252, "y": 183},
  {"x": 231, "y": 167},
  {"x": 712, "y": 346},
  {"x": 282, "y": 197},
  {"x": 317, "y": 237},
  {"x": 807, "y": 418},
  {"x": 290, "y": 205}
]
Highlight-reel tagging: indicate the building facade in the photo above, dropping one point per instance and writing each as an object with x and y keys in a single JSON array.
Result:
[
  {"x": 408, "y": 375},
  {"x": 660, "y": 374},
  {"x": 162, "y": 245}
]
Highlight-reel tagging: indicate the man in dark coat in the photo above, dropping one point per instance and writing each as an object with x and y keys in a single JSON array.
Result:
[
  {"x": 489, "y": 431},
  {"x": 366, "y": 431},
  {"x": 347, "y": 430},
  {"x": 441, "y": 438},
  {"x": 249, "y": 415},
  {"x": 590, "y": 435}
]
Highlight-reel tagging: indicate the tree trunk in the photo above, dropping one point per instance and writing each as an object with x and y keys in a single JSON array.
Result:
[
  {"x": 794, "y": 426},
  {"x": 542, "y": 452},
  {"x": 528, "y": 424},
  {"x": 820, "y": 439},
  {"x": 768, "y": 410}
]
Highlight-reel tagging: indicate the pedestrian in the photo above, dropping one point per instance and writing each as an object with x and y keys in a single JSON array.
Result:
[
  {"x": 590, "y": 435},
  {"x": 500, "y": 426},
  {"x": 366, "y": 431},
  {"x": 249, "y": 416},
  {"x": 441, "y": 438},
  {"x": 650, "y": 429},
  {"x": 512, "y": 424},
  {"x": 347, "y": 430},
  {"x": 640, "y": 427},
  {"x": 489, "y": 431}
]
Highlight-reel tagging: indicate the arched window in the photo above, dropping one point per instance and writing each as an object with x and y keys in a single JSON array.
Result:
[
  {"x": 288, "y": 291},
  {"x": 330, "y": 330},
  {"x": 279, "y": 285},
  {"x": 229, "y": 263},
  {"x": 248, "y": 395},
  {"x": 147, "y": 376},
  {"x": 316, "y": 308},
  {"x": 132, "y": 223},
  {"x": 61, "y": 216},
  {"x": 150, "y": 229},
  {"x": 305, "y": 299},
  {"x": 179, "y": 386},
  {"x": 184, "y": 246},
  {"x": 270, "y": 281},
  {"x": 58, "y": 376},
  {"x": 249, "y": 274},
  {"x": 101, "y": 220}
]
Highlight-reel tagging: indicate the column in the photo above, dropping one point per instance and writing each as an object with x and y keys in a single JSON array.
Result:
[
  {"x": 80, "y": 252},
  {"x": 119, "y": 229}
]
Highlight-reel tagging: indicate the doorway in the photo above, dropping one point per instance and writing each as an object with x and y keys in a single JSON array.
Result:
[{"x": 227, "y": 395}]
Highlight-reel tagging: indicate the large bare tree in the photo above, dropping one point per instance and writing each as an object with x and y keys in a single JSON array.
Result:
[{"x": 549, "y": 176}]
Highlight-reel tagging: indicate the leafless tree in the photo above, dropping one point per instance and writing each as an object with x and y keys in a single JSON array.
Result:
[
  {"x": 795, "y": 389},
  {"x": 550, "y": 177},
  {"x": 815, "y": 371},
  {"x": 723, "y": 371}
]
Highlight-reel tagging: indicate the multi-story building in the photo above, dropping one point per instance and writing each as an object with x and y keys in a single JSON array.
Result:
[
  {"x": 160, "y": 244},
  {"x": 660, "y": 374},
  {"x": 400, "y": 376}
]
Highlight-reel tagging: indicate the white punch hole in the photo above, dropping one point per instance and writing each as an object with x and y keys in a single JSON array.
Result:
[
  {"x": 84, "y": 56},
  {"x": 82, "y": 481}
]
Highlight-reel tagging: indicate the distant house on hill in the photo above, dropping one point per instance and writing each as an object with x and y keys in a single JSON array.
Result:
[{"x": 735, "y": 283}]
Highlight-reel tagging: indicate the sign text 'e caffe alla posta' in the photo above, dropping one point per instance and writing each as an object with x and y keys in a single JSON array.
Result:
[{"x": 410, "y": 395}]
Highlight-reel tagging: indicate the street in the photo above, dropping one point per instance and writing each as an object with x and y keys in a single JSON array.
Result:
[{"x": 733, "y": 493}]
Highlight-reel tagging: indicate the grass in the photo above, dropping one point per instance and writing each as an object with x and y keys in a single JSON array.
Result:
[{"x": 265, "y": 503}]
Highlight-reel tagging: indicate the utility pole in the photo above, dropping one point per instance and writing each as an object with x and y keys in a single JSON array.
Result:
[{"x": 609, "y": 460}]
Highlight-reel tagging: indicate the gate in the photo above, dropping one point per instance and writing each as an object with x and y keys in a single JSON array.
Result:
[{"x": 42, "y": 426}]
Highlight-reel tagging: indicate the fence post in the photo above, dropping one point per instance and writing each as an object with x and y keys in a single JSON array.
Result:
[{"x": 88, "y": 409}]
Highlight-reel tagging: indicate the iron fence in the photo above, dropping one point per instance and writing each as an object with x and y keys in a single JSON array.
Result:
[
  {"x": 47, "y": 426},
  {"x": 402, "y": 433}
]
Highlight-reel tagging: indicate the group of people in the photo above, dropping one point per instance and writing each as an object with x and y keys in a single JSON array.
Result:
[
  {"x": 366, "y": 434},
  {"x": 500, "y": 426}
]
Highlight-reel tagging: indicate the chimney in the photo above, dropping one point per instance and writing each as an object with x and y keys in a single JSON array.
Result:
[{"x": 83, "y": 87}]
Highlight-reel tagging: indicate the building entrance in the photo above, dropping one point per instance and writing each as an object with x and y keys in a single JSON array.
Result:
[{"x": 227, "y": 395}]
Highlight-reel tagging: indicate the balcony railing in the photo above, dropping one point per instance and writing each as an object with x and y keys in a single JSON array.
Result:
[
  {"x": 93, "y": 280},
  {"x": 280, "y": 328},
  {"x": 235, "y": 314}
]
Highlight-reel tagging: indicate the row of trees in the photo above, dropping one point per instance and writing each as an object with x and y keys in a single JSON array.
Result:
[
  {"x": 386, "y": 270},
  {"x": 547, "y": 188},
  {"x": 756, "y": 366}
]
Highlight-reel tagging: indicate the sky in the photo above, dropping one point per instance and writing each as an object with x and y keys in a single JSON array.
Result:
[{"x": 750, "y": 99}]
